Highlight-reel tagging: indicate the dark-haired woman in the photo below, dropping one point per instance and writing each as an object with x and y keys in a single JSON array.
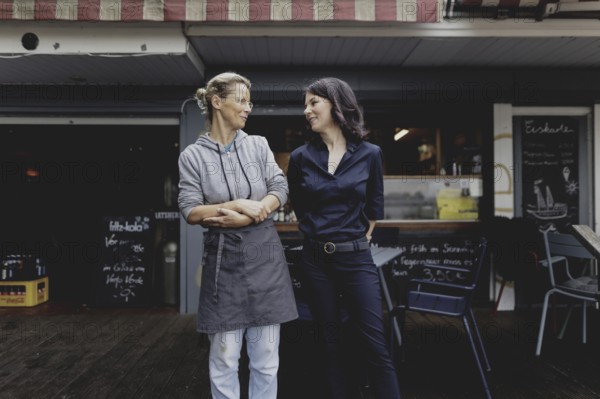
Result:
[
  {"x": 230, "y": 183},
  {"x": 336, "y": 188}
]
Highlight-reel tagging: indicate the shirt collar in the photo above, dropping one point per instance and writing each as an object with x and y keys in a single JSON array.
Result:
[{"x": 351, "y": 144}]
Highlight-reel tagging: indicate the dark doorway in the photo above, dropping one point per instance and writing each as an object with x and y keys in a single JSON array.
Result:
[{"x": 59, "y": 181}]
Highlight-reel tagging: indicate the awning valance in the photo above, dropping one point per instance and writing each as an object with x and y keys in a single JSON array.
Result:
[
  {"x": 538, "y": 9},
  {"x": 552, "y": 6},
  {"x": 503, "y": 3},
  {"x": 230, "y": 11}
]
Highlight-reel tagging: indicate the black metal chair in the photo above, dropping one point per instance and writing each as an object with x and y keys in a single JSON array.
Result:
[
  {"x": 451, "y": 297},
  {"x": 514, "y": 246},
  {"x": 559, "y": 249}
]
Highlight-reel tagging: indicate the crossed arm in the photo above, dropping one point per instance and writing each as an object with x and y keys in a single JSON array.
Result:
[{"x": 237, "y": 213}]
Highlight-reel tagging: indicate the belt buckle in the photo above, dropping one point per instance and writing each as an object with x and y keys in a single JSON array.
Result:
[{"x": 329, "y": 248}]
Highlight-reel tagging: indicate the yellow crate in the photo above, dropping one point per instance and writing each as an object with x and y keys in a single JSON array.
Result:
[
  {"x": 24, "y": 293},
  {"x": 452, "y": 205}
]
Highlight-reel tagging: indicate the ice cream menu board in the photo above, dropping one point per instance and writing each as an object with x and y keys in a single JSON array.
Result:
[
  {"x": 124, "y": 265},
  {"x": 550, "y": 169}
]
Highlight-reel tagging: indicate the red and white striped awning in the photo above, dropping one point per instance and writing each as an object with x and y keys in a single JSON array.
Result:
[{"x": 224, "y": 10}]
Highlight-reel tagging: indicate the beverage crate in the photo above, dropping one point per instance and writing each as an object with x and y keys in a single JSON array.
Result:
[
  {"x": 24, "y": 293},
  {"x": 21, "y": 267}
]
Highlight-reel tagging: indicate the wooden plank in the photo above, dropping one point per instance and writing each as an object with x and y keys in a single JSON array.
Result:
[
  {"x": 137, "y": 376},
  {"x": 44, "y": 344},
  {"x": 19, "y": 333},
  {"x": 106, "y": 372},
  {"x": 144, "y": 329},
  {"x": 191, "y": 377},
  {"x": 158, "y": 363},
  {"x": 43, "y": 362}
]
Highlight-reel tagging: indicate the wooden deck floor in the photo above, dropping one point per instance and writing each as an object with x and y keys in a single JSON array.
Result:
[{"x": 54, "y": 351}]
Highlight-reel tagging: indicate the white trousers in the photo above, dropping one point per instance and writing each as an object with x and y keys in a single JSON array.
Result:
[{"x": 262, "y": 344}]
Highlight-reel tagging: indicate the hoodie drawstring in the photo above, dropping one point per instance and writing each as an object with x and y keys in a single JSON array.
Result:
[
  {"x": 243, "y": 171},
  {"x": 223, "y": 171},
  {"x": 225, "y": 175}
]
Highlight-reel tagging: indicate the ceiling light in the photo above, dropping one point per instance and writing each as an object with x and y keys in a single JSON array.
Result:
[{"x": 400, "y": 133}]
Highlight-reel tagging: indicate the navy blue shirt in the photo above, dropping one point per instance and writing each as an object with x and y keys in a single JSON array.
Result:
[{"x": 336, "y": 207}]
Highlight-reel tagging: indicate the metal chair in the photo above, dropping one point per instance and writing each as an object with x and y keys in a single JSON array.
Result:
[
  {"x": 450, "y": 297},
  {"x": 514, "y": 247},
  {"x": 559, "y": 249}
]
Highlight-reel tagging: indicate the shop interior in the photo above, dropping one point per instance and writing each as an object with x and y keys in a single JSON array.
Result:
[
  {"x": 59, "y": 182},
  {"x": 434, "y": 157}
]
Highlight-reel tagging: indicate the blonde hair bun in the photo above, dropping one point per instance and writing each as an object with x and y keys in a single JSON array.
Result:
[{"x": 201, "y": 99}]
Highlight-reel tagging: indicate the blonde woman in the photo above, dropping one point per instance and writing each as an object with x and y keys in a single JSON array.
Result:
[{"x": 230, "y": 183}]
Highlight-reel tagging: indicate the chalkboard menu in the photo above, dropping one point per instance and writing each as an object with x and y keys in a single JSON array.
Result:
[
  {"x": 455, "y": 249},
  {"x": 456, "y": 252},
  {"x": 550, "y": 169},
  {"x": 125, "y": 263}
]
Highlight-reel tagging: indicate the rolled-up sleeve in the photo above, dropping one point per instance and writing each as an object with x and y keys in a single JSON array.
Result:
[
  {"x": 374, "y": 206},
  {"x": 190, "y": 190},
  {"x": 274, "y": 178}
]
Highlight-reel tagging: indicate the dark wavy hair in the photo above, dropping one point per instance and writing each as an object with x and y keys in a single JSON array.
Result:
[{"x": 344, "y": 107}]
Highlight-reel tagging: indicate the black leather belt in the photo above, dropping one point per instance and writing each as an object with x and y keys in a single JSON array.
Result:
[{"x": 347, "y": 246}]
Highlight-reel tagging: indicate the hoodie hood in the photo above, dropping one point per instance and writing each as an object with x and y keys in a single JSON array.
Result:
[{"x": 206, "y": 141}]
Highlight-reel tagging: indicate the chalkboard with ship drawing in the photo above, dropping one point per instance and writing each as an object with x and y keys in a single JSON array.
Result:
[{"x": 550, "y": 169}]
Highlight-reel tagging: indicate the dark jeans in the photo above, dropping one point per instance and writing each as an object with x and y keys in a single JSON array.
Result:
[{"x": 354, "y": 276}]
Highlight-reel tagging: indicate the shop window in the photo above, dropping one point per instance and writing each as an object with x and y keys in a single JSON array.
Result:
[
  {"x": 416, "y": 151},
  {"x": 431, "y": 172}
]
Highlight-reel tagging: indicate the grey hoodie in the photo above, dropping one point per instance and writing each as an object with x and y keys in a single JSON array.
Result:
[{"x": 208, "y": 175}]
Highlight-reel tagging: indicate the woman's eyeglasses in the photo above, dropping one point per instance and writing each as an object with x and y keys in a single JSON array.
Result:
[{"x": 243, "y": 102}]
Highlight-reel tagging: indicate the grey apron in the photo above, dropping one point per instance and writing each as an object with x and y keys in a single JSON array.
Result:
[{"x": 245, "y": 280}]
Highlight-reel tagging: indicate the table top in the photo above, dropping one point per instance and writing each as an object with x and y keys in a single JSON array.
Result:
[
  {"x": 588, "y": 238},
  {"x": 382, "y": 255}
]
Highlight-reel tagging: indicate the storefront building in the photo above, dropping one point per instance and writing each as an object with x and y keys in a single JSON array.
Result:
[{"x": 96, "y": 104}]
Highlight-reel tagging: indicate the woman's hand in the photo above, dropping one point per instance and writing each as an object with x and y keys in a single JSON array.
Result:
[
  {"x": 256, "y": 210},
  {"x": 229, "y": 218},
  {"x": 370, "y": 231}
]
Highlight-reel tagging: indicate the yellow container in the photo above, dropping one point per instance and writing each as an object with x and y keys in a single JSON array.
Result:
[
  {"x": 24, "y": 293},
  {"x": 452, "y": 205}
]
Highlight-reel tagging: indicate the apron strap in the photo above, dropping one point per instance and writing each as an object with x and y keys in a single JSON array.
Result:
[{"x": 218, "y": 267}]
